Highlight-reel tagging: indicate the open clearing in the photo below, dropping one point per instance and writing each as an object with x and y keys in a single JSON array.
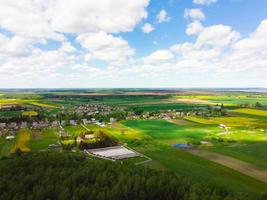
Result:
[{"x": 238, "y": 165}]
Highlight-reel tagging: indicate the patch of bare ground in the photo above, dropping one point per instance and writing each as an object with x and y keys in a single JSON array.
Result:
[{"x": 238, "y": 165}]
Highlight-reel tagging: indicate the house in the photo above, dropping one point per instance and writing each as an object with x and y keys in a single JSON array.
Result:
[
  {"x": 23, "y": 125},
  {"x": 44, "y": 124},
  {"x": 13, "y": 125},
  {"x": 35, "y": 125},
  {"x": 62, "y": 133},
  {"x": 63, "y": 123},
  {"x": 112, "y": 120},
  {"x": 85, "y": 121},
  {"x": 54, "y": 123},
  {"x": 73, "y": 122},
  {"x": 89, "y": 136},
  {"x": 2, "y": 125}
]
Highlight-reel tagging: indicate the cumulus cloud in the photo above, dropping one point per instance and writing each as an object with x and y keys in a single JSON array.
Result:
[
  {"x": 204, "y": 2},
  {"x": 67, "y": 47},
  {"x": 194, "y": 14},
  {"x": 45, "y": 18},
  {"x": 162, "y": 16},
  {"x": 26, "y": 18},
  {"x": 147, "y": 28},
  {"x": 106, "y": 47},
  {"x": 15, "y": 46},
  {"x": 159, "y": 56},
  {"x": 217, "y": 35},
  {"x": 257, "y": 42},
  {"x": 81, "y": 16},
  {"x": 194, "y": 28}
]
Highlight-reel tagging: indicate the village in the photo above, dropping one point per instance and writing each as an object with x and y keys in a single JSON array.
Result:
[{"x": 98, "y": 114}]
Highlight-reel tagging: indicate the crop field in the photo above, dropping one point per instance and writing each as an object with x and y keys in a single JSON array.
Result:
[
  {"x": 22, "y": 140},
  {"x": 251, "y": 112},
  {"x": 228, "y": 99}
]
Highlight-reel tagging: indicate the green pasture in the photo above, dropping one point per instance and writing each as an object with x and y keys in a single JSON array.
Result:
[
  {"x": 9, "y": 114},
  {"x": 229, "y": 99},
  {"x": 40, "y": 139},
  {"x": 159, "y": 135},
  {"x": 74, "y": 130}
]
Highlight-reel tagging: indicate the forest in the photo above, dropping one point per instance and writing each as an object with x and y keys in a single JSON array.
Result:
[{"x": 50, "y": 175}]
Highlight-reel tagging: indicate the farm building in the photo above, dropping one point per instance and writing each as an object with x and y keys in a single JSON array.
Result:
[{"x": 116, "y": 152}]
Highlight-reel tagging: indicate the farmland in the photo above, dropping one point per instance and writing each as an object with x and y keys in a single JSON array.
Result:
[{"x": 230, "y": 125}]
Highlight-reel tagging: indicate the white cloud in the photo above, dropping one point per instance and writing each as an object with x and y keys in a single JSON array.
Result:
[
  {"x": 194, "y": 14},
  {"x": 80, "y": 16},
  {"x": 147, "y": 28},
  {"x": 204, "y": 2},
  {"x": 159, "y": 56},
  {"x": 67, "y": 47},
  {"x": 48, "y": 19},
  {"x": 15, "y": 46},
  {"x": 257, "y": 42},
  {"x": 106, "y": 47},
  {"x": 162, "y": 16},
  {"x": 194, "y": 28},
  {"x": 26, "y": 18},
  {"x": 217, "y": 35}
]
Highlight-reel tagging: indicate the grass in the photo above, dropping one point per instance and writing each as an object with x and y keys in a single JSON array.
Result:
[
  {"x": 231, "y": 99},
  {"x": 41, "y": 139},
  {"x": 74, "y": 130},
  {"x": 206, "y": 172},
  {"x": 254, "y": 153},
  {"x": 161, "y": 134},
  {"x": 9, "y": 114},
  {"x": 5, "y": 146}
]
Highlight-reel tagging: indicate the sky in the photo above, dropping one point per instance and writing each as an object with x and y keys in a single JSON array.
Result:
[{"x": 133, "y": 43}]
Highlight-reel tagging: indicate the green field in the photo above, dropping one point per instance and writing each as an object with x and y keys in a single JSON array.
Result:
[{"x": 161, "y": 134}]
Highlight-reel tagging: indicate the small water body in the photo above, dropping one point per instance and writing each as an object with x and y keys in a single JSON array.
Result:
[{"x": 182, "y": 145}]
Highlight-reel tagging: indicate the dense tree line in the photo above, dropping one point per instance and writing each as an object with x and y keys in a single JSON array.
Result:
[{"x": 46, "y": 175}]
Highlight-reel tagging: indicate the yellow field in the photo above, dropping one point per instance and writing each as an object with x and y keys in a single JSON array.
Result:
[
  {"x": 29, "y": 113},
  {"x": 35, "y": 103},
  {"x": 251, "y": 111},
  {"x": 21, "y": 143},
  {"x": 228, "y": 121}
]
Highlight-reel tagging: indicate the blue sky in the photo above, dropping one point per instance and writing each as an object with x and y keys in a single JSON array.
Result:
[{"x": 156, "y": 43}]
